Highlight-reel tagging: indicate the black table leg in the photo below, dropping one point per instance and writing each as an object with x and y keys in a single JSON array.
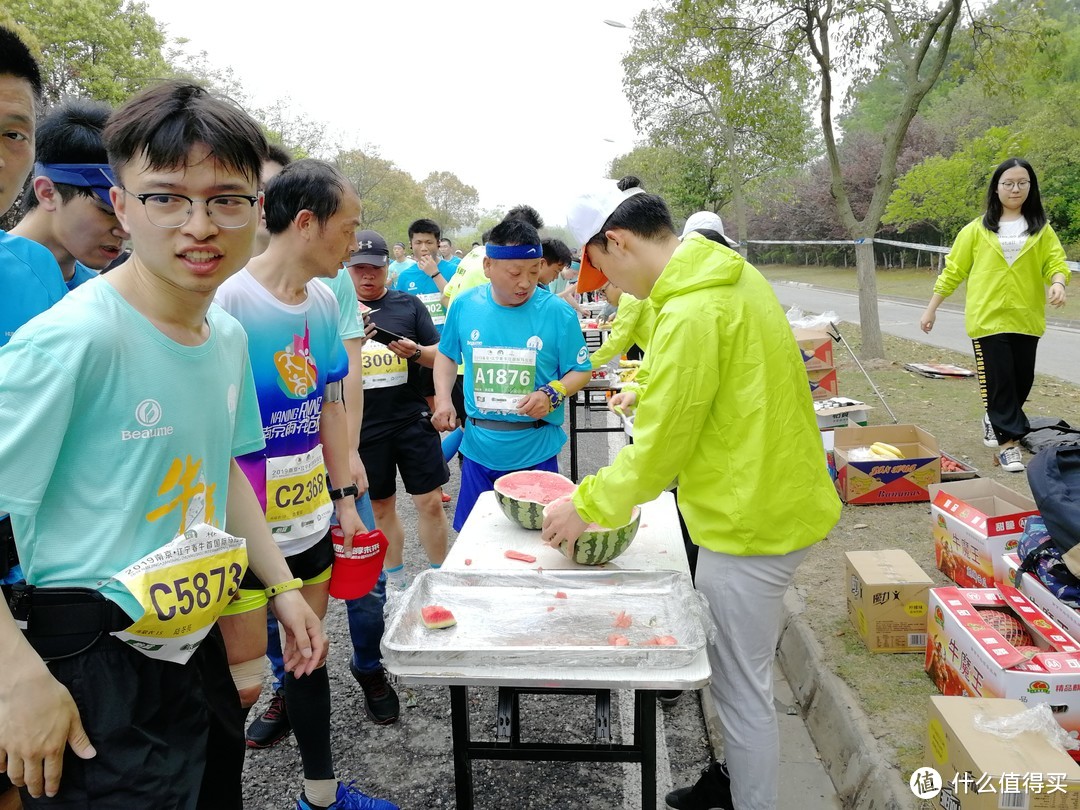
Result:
[
  {"x": 459, "y": 721},
  {"x": 572, "y": 405},
  {"x": 645, "y": 739}
]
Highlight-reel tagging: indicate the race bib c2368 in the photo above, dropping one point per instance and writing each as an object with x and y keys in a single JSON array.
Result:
[
  {"x": 297, "y": 501},
  {"x": 501, "y": 377},
  {"x": 382, "y": 368},
  {"x": 182, "y": 587},
  {"x": 433, "y": 302}
]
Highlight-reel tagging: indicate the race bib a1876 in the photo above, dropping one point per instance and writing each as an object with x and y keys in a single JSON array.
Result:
[{"x": 501, "y": 377}]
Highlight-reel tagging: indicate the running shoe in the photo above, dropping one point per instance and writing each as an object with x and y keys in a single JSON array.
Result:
[
  {"x": 349, "y": 797},
  {"x": 381, "y": 703},
  {"x": 272, "y": 726}
]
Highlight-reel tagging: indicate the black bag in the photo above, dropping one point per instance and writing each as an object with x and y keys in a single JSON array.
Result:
[
  {"x": 1046, "y": 431},
  {"x": 1054, "y": 476}
]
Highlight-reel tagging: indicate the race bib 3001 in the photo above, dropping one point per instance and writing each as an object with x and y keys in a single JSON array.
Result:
[{"x": 382, "y": 368}]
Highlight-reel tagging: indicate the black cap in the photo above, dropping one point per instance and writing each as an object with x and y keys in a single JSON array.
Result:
[{"x": 372, "y": 250}]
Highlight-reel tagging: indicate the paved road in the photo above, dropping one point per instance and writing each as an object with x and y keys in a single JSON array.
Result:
[{"x": 1059, "y": 350}]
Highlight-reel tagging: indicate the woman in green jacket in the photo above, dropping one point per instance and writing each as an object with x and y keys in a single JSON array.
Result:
[{"x": 1008, "y": 258}]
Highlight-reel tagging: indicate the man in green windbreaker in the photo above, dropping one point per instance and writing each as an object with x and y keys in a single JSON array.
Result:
[{"x": 722, "y": 403}]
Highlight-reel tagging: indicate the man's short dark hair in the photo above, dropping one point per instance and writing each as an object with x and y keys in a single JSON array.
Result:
[
  {"x": 16, "y": 60},
  {"x": 166, "y": 121},
  {"x": 526, "y": 213},
  {"x": 644, "y": 215},
  {"x": 303, "y": 185},
  {"x": 514, "y": 232},
  {"x": 556, "y": 251},
  {"x": 444, "y": 239},
  {"x": 629, "y": 181},
  {"x": 485, "y": 236},
  {"x": 425, "y": 226},
  {"x": 71, "y": 133},
  {"x": 276, "y": 153}
]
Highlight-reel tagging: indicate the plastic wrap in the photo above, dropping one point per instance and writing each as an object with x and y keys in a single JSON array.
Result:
[
  {"x": 557, "y": 618},
  {"x": 1039, "y": 719},
  {"x": 799, "y": 320}
]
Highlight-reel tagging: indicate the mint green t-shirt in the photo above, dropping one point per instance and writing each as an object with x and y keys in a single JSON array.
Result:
[
  {"x": 348, "y": 305},
  {"x": 114, "y": 438}
]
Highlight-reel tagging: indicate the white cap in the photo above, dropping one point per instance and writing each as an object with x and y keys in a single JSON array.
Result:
[
  {"x": 590, "y": 211},
  {"x": 703, "y": 219}
]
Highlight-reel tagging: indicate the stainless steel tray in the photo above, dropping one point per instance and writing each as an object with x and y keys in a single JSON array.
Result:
[{"x": 509, "y": 619}]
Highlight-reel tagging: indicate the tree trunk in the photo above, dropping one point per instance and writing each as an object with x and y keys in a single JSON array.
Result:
[{"x": 872, "y": 345}]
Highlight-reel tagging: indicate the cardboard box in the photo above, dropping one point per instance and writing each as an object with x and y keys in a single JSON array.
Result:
[
  {"x": 887, "y": 593},
  {"x": 1032, "y": 587},
  {"x": 816, "y": 348},
  {"x": 838, "y": 412},
  {"x": 984, "y": 771},
  {"x": 965, "y": 655},
  {"x": 900, "y": 481},
  {"x": 975, "y": 523},
  {"x": 822, "y": 383}
]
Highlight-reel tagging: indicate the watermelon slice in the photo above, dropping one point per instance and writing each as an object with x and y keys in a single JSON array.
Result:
[
  {"x": 519, "y": 555},
  {"x": 616, "y": 640},
  {"x": 623, "y": 620},
  {"x": 436, "y": 617},
  {"x": 523, "y": 495},
  {"x": 662, "y": 641}
]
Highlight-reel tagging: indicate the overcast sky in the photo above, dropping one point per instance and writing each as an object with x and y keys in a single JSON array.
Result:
[{"x": 540, "y": 84}]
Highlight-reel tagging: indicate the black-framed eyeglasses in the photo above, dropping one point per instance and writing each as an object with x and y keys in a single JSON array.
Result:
[{"x": 174, "y": 210}]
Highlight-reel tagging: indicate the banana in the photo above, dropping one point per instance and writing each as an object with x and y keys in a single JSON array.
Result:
[{"x": 886, "y": 450}]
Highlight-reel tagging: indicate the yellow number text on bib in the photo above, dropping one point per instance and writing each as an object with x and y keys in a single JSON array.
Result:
[
  {"x": 383, "y": 368},
  {"x": 297, "y": 501}
]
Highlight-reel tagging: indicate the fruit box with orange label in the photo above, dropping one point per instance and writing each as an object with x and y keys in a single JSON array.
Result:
[
  {"x": 823, "y": 383},
  {"x": 1033, "y": 588},
  {"x": 887, "y": 600},
  {"x": 975, "y": 523},
  {"x": 816, "y": 348},
  {"x": 994, "y": 642},
  {"x": 886, "y": 480}
]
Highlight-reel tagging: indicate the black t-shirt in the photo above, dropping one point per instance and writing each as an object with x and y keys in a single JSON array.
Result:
[{"x": 394, "y": 389}]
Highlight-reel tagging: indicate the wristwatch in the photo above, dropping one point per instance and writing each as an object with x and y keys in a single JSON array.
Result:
[
  {"x": 416, "y": 355},
  {"x": 338, "y": 494}
]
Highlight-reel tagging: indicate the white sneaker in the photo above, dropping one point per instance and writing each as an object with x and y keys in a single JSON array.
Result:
[
  {"x": 1009, "y": 459},
  {"x": 989, "y": 439}
]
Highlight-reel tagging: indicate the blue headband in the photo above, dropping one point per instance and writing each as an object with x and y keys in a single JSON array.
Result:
[
  {"x": 514, "y": 251},
  {"x": 95, "y": 176}
]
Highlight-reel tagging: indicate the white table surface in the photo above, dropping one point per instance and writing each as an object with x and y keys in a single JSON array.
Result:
[{"x": 484, "y": 538}]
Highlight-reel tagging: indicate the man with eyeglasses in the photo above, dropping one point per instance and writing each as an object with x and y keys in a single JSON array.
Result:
[
  {"x": 69, "y": 210},
  {"x": 132, "y": 518}
]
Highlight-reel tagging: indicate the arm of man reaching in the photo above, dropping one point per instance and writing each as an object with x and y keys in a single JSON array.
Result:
[
  {"x": 353, "y": 389},
  {"x": 538, "y": 404},
  {"x": 334, "y": 437},
  {"x": 445, "y": 417}
]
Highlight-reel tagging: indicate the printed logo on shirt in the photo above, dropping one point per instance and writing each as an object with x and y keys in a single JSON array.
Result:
[
  {"x": 583, "y": 354},
  {"x": 148, "y": 413},
  {"x": 297, "y": 373},
  {"x": 185, "y": 485},
  {"x": 474, "y": 338},
  {"x": 535, "y": 343}
]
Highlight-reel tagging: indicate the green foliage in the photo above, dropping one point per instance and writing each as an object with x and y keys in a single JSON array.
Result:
[
  {"x": 453, "y": 202},
  {"x": 392, "y": 199},
  {"x": 945, "y": 193},
  {"x": 104, "y": 49}
]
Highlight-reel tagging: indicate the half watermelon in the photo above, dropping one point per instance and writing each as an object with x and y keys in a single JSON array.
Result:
[
  {"x": 523, "y": 495},
  {"x": 598, "y": 545}
]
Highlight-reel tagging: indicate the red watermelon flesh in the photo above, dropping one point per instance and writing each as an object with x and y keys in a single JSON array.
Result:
[
  {"x": 436, "y": 617},
  {"x": 1011, "y": 628},
  {"x": 523, "y": 495}
]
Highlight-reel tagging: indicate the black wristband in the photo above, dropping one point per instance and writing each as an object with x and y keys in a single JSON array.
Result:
[
  {"x": 1062, "y": 283},
  {"x": 416, "y": 355}
]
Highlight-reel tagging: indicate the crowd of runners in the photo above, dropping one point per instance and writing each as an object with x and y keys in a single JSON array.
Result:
[{"x": 210, "y": 372}]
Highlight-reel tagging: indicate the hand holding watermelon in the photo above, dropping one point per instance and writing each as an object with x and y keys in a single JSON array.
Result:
[{"x": 562, "y": 523}]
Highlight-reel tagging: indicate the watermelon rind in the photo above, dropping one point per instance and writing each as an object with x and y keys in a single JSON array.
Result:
[
  {"x": 604, "y": 545},
  {"x": 528, "y": 514}
]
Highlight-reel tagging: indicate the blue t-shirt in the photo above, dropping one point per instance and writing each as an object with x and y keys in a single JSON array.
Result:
[
  {"x": 295, "y": 350},
  {"x": 415, "y": 281},
  {"x": 508, "y": 353},
  {"x": 114, "y": 438},
  {"x": 30, "y": 282},
  {"x": 81, "y": 275}
]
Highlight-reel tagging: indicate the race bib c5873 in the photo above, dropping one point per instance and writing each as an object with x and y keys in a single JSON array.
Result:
[
  {"x": 297, "y": 500},
  {"x": 501, "y": 377},
  {"x": 182, "y": 587}
]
